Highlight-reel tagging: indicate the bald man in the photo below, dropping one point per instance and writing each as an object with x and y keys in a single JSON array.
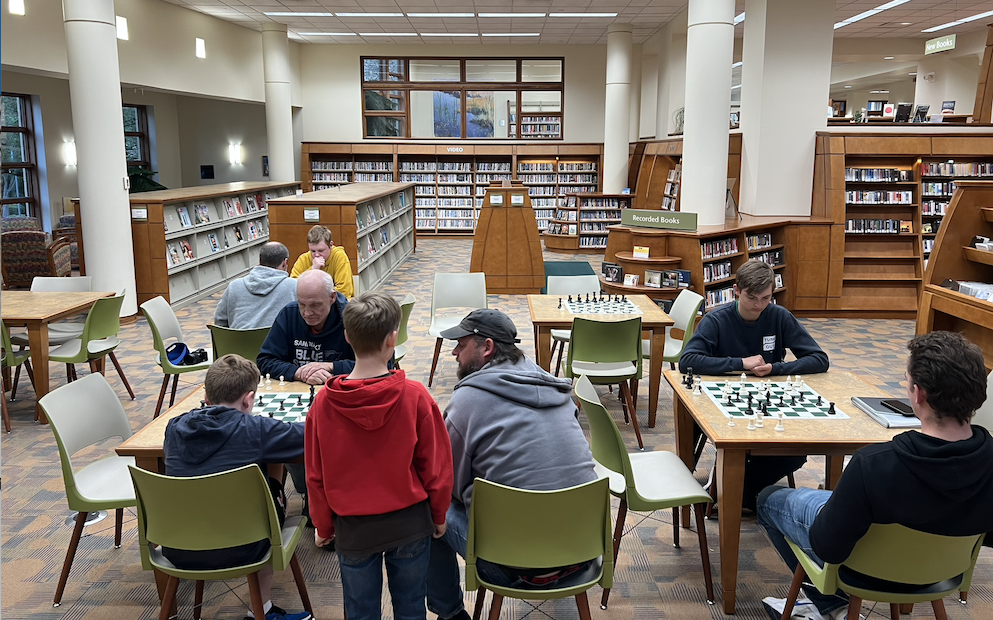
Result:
[{"x": 307, "y": 340}]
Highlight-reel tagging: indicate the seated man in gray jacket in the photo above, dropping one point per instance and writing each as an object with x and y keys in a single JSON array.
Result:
[
  {"x": 512, "y": 423},
  {"x": 254, "y": 301}
]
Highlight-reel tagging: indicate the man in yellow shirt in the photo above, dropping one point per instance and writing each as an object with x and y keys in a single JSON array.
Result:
[{"x": 328, "y": 257}]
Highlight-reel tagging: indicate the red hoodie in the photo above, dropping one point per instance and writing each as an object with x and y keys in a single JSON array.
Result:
[{"x": 374, "y": 446}]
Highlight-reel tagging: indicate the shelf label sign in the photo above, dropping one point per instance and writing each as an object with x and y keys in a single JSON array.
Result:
[
  {"x": 312, "y": 215},
  {"x": 941, "y": 44},
  {"x": 139, "y": 214},
  {"x": 496, "y": 200},
  {"x": 517, "y": 200},
  {"x": 673, "y": 220}
]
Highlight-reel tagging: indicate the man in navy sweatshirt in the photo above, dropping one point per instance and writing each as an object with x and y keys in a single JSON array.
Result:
[{"x": 752, "y": 335}]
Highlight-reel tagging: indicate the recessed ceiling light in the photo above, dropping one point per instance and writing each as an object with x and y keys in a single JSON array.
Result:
[
  {"x": 369, "y": 14},
  {"x": 512, "y": 34},
  {"x": 848, "y": 87},
  {"x": 736, "y": 65},
  {"x": 582, "y": 14},
  {"x": 295, "y": 14},
  {"x": 736, "y": 86},
  {"x": 441, "y": 14},
  {"x": 915, "y": 73},
  {"x": 200, "y": 48},
  {"x": 961, "y": 21},
  {"x": 904, "y": 23},
  {"x": 327, "y": 34},
  {"x": 740, "y": 17},
  {"x": 387, "y": 34},
  {"x": 888, "y": 57},
  {"x": 448, "y": 34},
  {"x": 510, "y": 15},
  {"x": 869, "y": 13}
]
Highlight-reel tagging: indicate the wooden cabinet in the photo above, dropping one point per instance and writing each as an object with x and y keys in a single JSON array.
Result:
[
  {"x": 373, "y": 222},
  {"x": 506, "y": 246}
]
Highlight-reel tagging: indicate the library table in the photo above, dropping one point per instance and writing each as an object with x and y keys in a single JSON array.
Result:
[
  {"x": 546, "y": 316},
  {"x": 832, "y": 438},
  {"x": 35, "y": 310}
]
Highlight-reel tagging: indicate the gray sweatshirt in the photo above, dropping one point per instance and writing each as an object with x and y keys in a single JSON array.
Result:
[
  {"x": 254, "y": 301},
  {"x": 516, "y": 425}
]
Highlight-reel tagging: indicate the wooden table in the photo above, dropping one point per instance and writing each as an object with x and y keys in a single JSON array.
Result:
[
  {"x": 35, "y": 310},
  {"x": 832, "y": 438},
  {"x": 546, "y": 316}
]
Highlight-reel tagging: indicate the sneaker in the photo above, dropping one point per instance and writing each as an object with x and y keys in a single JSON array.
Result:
[
  {"x": 803, "y": 610},
  {"x": 306, "y": 511},
  {"x": 841, "y": 614},
  {"x": 278, "y": 613}
]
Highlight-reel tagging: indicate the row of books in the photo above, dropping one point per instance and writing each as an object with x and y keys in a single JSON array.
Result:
[
  {"x": 668, "y": 203},
  {"x": 717, "y": 271},
  {"x": 566, "y": 216},
  {"x": 938, "y": 189},
  {"x": 719, "y": 247},
  {"x": 537, "y": 178},
  {"x": 594, "y": 226},
  {"x": 719, "y": 297},
  {"x": 488, "y": 178},
  {"x": 670, "y": 188},
  {"x": 879, "y": 226},
  {"x": 577, "y": 178},
  {"x": 492, "y": 166},
  {"x": 535, "y": 167},
  {"x": 928, "y": 246},
  {"x": 674, "y": 174},
  {"x": 181, "y": 251},
  {"x": 373, "y": 166},
  {"x": 593, "y": 242},
  {"x": 541, "y": 119},
  {"x": 454, "y": 178},
  {"x": 930, "y": 228},
  {"x": 878, "y": 175},
  {"x": 577, "y": 167},
  {"x": 331, "y": 165},
  {"x": 599, "y": 215},
  {"x": 201, "y": 211},
  {"x": 555, "y": 228},
  {"x": 600, "y": 203},
  {"x": 879, "y": 197},
  {"x": 372, "y": 213},
  {"x": 332, "y": 176},
  {"x": 758, "y": 241},
  {"x": 374, "y": 178},
  {"x": 542, "y": 128},
  {"x": 933, "y": 207},
  {"x": 772, "y": 257},
  {"x": 454, "y": 190},
  {"x": 957, "y": 169},
  {"x": 416, "y": 178},
  {"x": 577, "y": 189}
]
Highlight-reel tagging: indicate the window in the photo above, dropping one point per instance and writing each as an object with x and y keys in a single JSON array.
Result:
[
  {"x": 136, "y": 147},
  {"x": 462, "y": 98},
  {"x": 20, "y": 169}
]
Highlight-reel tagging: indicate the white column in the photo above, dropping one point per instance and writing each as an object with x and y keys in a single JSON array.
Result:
[
  {"x": 662, "y": 86},
  {"x": 636, "y": 79},
  {"x": 786, "y": 78},
  {"x": 98, "y": 125},
  {"x": 617, "y": 108},
  {"x": 709, "y": 50},
  {"x": 278, "y": 113}
]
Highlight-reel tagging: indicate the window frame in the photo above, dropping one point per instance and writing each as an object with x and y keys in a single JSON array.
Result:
[
  {"x": 30, "y": 163},
  {"x": 144, "y": 144},
  {"x": 405, "y": 86}
]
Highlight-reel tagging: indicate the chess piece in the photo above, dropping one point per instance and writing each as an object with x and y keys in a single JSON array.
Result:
[
  {"x": 820, "y": 400},
  {"x": 587, "y": 298},
  {"x": 792, "y": 401},
  {"x": 789, "y": 382},
  {"x": 730, "y": 404},
  {"x": 743, "y": 379},
  {"x": 696, "y": 386},
  {"x": 311, "y": 395},
  {"x": 768, "y": 395},
  {"x": 758, "y": 420},
  {"x": 281, "y": 408},
  {"x": 779, "y": 426},
  {"x": 282, "y": 380},
  {"x": 831, "y": 410},
  {"x": 272, "y": 414},
  {"x": 268, "y": 382},
  {"x": 570, "y": 298},
  {"x": 203, "y": 404},
  {"x": 560, "y": 303},
  {"x": 782, "y": 401},
  {"x": 730, "y": 421},
  {"x": 260, "y": 401},
  {"x": 300, "y": 399},
  {"x": 797, "y": 382},
  {"x": 751, "y": 423}
]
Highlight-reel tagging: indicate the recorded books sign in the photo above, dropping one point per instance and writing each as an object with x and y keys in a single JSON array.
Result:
[
  {"x": 674, "y": 220},
  {"x": 941, "y": 44}
]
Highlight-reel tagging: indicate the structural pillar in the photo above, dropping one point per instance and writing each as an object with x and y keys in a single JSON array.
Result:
[
  {"x": 709, "y": 51},
  {"x": 636, "y": 80},
  {"x": 95, "y": 96},
  {"x": 786, "y": 79},
  {"x": 672, "y": 75},
  {"x": 278, "y": 112},
  {"x": 617, "y": 108}
]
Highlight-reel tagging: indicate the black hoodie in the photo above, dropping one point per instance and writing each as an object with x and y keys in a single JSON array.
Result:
[{"x": 919, "y": 481}]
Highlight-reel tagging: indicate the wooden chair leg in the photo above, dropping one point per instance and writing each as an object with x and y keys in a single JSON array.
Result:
[
  {"x": 198, "y": 600},
  {"x": 675, "y": 527},
  {"x": 622, "y": 513},
  {"x": 790, "y": 480},
  {"x": 434, "y": 360},
  {"x": 301, "y": 583},
  {"x": 701, "y": 531},
  {"x": 583, "y": 604},
  {"x": 938, "y": 605},
  {"x": 70, "y": 555},
  {"x": 713, "y": 492},
  {"x": 175, "y": 384},
  {"x": 68, "y": 373},
  {"x": 162, "y": 393},
  {"x": 963, "y": 596},
  {"x": 6, "y": 412},
  {"x": 634, "y": 393},
  {"x": 626, "y": 394},
  {"x": 118, "y": 526},
  {"x": 558, "y": 361},
  {"x": 894, "y": 611},
  {"x": 495, "y": 606},
  {"x": 480, "y": 599},
  {"x": 798, "y": 577},
  {"x": 30, "y": 371},
  {"x": 13, "y": 384},
  {"x": 906, "y": 608},
  {"x": 120, "y": 372},
  {"x": 854, "y": 607},
  {"x": 256, "y": 594},
  {"x": 95, "y": 367},
  {"x": 169, "y": 598}
]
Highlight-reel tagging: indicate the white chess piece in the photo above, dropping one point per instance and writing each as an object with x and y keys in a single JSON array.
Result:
[
  {"x": 797, "y": 381},
  {"x": 696, "y": 386},
  {"x": 743, "y": 379},
  {"x": 789, "y": 382},
  {"x": 751, "y": 423},
  {"x": 268, "y": 382},
  {"x": 758, "y": 420},
  {"x": 779, "y": 426},
  {"x": 730, "y": 421},
  {"x": 282, "y": 380}
]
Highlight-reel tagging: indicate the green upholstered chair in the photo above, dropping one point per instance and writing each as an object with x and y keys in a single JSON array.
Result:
[
  {"x": 893, "y": 564},
  {"x": 405, "y": 307},
  {"x": 453, "y": 290},
  {"x": 98, "y": 340},
  {"x": 14, "y": 359},
  {"x": 644, "y": 481},
  {"x": 244, "y": 342},
  {"x": 83, "y": 413},
  {"x": 540, "y": 529},
  {"x": 166, "y": 520},
  {"x": 607, "y": 353},
  {"x": 563, "y": 286},
  {"x": 166, "y": 330}
]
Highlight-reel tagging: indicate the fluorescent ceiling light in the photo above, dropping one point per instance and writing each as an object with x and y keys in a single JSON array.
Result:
[
  {"x": 582, "y": 14},
  {"x": 441, "y": 14},
  {"x": 201, "y": 48},
  {"x": 878, "y": 92},
  {"x": 737, "y": 64},
  {"x": 848, "y": 87},
  {"x": 888, "y": 57},
  {"x": 912, "y": 73},
  {"x": 510, "y": 15},
  {"x": 369, "y": 14},
  {"x": 869, "y": 13},
  {"x": 512, "y": 34},
  {"x": 448, "y": 34},
  {"x": 327, "y": 34},
  {"x": 736, "y": 86},
  {"x": 964, "y": 20},
  {"x": 15, "y": 7},
  {"x": 122, "y": 27},
  {"x": 740, "y": 17},
  {"x": 295, "y": 14},
  {"x": 387, "y": 34}
]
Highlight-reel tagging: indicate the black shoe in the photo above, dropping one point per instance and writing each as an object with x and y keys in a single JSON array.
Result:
[
  {"x": 306, "y": 510},
  {"x": 462, "y": 615}
]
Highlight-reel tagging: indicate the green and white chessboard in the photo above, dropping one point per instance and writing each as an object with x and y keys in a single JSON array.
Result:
[
  {"x": 295, "y": 405},
  {"x": 805, "y": 409}
]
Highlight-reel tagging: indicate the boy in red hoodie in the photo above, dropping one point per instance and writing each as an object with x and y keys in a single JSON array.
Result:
[{"x": 379, "y": 468}]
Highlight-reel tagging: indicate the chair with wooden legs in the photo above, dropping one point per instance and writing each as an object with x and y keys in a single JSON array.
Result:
[
  {"x": 59, "y": 332},
  {"x": 405, "y": 308},
  {"x": 892, "y": 564},
  {"x": 165, "y": 520},
  {"x": 244, "y": 342},
  {"x": 453, "y": 290},
  {"x": 540, "y": 529},
  {"x": 3, "y": 399},
  {"x": 607, "y": 353},
  {"x": 14, "y": 359},
  {"x": 563, "y": 286},
  {"x": 98, "y": 340},
  {"x": 83, "y": 413},
  {"x": 165, "y": 329},
  {"x": 644, "y": 481}
]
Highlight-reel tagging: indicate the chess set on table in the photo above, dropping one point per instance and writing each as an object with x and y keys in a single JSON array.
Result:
[
  {"x": 285, "y": 406},
  {"x": 600, "y": 304}
]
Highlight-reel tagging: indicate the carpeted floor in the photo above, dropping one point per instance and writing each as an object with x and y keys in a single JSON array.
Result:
[{"x": 653, "y": 580}]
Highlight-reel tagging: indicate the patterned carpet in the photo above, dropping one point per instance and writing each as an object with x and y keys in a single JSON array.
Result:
[{"x": 653, "y": 580}]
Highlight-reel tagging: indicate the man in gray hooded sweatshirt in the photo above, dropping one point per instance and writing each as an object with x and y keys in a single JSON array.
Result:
[
  {"x": 512, "y": 423},
  {"x": 254, "y": 301}
]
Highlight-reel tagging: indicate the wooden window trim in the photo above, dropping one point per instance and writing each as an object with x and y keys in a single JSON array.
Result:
[{"x": 143, "y": 138}]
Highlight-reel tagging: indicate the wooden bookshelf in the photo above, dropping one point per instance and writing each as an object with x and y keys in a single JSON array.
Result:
[
  {"x": 655, "y": 167},
  {"x": 970, "y": 213},
  {"x": 373, "y": 222}
]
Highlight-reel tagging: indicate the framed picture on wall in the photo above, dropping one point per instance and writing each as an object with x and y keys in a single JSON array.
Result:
[{"x": 265, "y": 165}]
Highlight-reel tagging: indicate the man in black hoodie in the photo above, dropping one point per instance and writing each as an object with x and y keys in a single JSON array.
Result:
[{"x": 938, "y": 480}]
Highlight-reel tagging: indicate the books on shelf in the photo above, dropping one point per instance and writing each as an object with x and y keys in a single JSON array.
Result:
[
  {"x": 857, "y": 197},
  {"x": 237, "y": 234},
  {"x": 878, "y": 175},
  {"x": 772, "y": 257},
  {"x": 957, "y": 169},
  {"x": 873, "y": 226},
  {"x": 215, "y": 245},
  {"x": 758, "y": 241},
  {"x": 612, "y": 272},
  {"x": 670, "y": 278},
  {"x": 653, "y": 279},
  {"x": 229, "y": 207},
  {"x": 184, "y": 217},
  {"x": 685, "y": 277},
  {"x": 572, "y": 229},
  {"x": 779, "y": 281},
  {"x": 938, "y": 189},
  {"x": 186, "y": 250},
  {"x": 200, "y": 213},
  {"x": 906, "y": 226},
  {"x": 173, "y": 255},
  {"x": 718, "y": 248},
  {"x": 631, "y": 279},
  {"x": 717, "y": 271},
  {"x": 718, "y": 297}
]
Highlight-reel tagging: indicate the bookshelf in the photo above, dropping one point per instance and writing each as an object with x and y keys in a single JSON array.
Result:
[
  {"x": 562, "y": 230},
  {"x": 597, "y": 212},
  {"x": 938, "y": 182},
  {"x": 373, "y": 222},
  {"x": 969, "y": 213},
  {"x": 653, "y": 182},
  {"x": 544, "y": 126},
  {"x": 670, "y": 192}
]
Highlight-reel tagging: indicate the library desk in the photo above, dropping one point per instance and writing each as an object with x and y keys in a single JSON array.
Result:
[
  {"x": 832, "y": 438},
  {"x": 546, "y": 316},
  {"x": 35, "y": 310}
]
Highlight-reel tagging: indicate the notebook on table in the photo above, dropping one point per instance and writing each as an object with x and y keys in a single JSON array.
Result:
[{"x": 880, "y": 413}]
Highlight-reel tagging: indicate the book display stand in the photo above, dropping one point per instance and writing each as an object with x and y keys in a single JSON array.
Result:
[{"x": 507, "y": 246}]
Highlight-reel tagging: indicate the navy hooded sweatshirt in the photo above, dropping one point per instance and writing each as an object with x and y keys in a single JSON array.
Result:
[{"x": 291, "y": 343}]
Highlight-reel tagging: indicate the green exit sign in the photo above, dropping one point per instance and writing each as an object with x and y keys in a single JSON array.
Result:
[{"x": 941, "y": 44}]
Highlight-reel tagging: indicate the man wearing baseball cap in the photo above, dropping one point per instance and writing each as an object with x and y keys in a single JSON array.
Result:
[{"x": 512, "y": 423}]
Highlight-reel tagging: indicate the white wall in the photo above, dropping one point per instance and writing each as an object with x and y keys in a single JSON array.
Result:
[
  {"x": 955, "y": 79},
  {"x": 649, "y": 94},
  {"x": 208, "y": 126},
  {"x": 900, "y": 92}
]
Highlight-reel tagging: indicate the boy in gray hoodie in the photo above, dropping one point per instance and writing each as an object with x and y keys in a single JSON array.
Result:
[{"x": 254, "y": 301}]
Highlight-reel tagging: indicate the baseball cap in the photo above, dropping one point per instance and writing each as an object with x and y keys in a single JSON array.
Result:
[{"x": 486, "y": 323}]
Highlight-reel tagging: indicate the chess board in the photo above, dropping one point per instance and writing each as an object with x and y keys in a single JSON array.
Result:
[
  {"x": 267, "y": 403},
  {"x": 602, "y": 307},
  {"x": 805, "y": 409}
]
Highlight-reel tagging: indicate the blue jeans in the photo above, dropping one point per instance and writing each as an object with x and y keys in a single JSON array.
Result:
[
  {"x": 406, "y": 568},
  {"x": 444, "y": 580},
  {"x": 789, "y": 513}
]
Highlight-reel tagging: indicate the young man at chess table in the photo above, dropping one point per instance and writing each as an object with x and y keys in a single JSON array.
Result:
[
  {"x": 752, "y": 335},
  {"x": 225, "y": 435},
  {"x": 938, "y": 480}
]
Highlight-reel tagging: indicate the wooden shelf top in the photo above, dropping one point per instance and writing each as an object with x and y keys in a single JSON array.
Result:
[
  {"x": 654, "y": 260},
  {"x": 343, "y": 194},
  {"x": 879, "y": 277},
  {"x": 978, "y": 256},
  {"x": 206, "y": 191}
]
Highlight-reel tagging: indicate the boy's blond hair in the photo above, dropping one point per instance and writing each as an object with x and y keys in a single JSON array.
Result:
[
  {"x": 230, "y": 378},
  {"x": 369, "y": 319},
  {"x": 754, "y": 277},
  {"x": 318, "y": 234}
]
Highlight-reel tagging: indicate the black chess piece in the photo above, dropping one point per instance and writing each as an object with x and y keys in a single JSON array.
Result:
[
  {"x": 801, "y": 397},
  {"x": 560, "y": 303},
  {"x": 792, "y": 401},
  {"x": 281, "y": 408},
  {"x": 299, "y": 399},
  {"x": 272, "y": 414},
  {"x": 570, "y": 298},
  {"x": 311, "y": 395},
  {"x": 765, "y": 409},
  {"x": 203, "y": 404},
  {"x": 748, "y": 411},
  {"x": 587, "y": 298},
  {"x": 819, "y": 400},
  {"x": 768, "y": 395},
  {"x": 729, "y": 400},
  {"x": 782, "y": 401},
  {"x": 831, "y": 410},
  {"x": 260, "y": 400},
  {"x": 624, "y": 298},
  {"x": 737, "y": 397}
]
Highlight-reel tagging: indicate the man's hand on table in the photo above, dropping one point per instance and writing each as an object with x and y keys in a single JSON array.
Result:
[{"x": 315, "y": 373}]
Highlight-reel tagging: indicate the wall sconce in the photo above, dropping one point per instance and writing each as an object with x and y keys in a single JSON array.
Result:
[
  {"x": 201, "y": 48},
  {"x": 234, "y": 154},
  {"x": 70, "y": 153},
  {"x": 122, "y": 28},
  {"x": 15, "y": 7}
]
